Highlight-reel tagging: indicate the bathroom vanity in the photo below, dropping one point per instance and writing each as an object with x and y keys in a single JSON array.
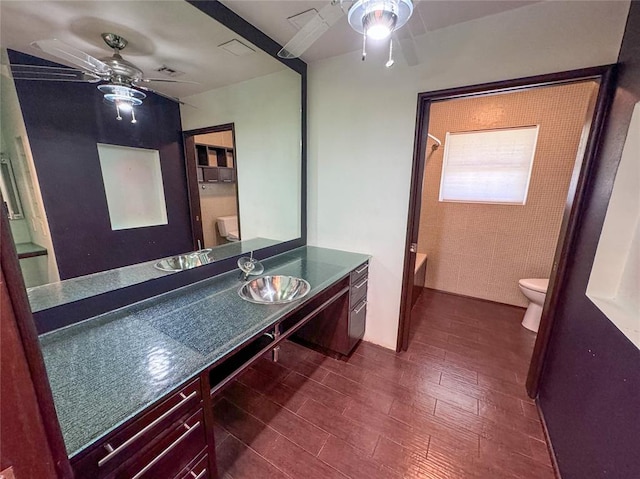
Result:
[
  {"x": 133, "y": 388},
  {"x": 134, "y": 353}
]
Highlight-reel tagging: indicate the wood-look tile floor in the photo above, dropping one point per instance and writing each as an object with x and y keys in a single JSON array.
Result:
[{"x": 452, "y": 406}]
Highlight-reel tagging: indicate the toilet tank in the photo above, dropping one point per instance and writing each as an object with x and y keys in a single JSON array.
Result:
[{"x": 227, "y": 224}]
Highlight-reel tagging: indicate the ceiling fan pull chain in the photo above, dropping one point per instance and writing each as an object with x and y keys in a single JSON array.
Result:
[
  {"x": 391, "y": 61},
  {"x": 118, "y": 110},
  {"x": 133, "y": 116},
  {"x": 364, "y": 46}
]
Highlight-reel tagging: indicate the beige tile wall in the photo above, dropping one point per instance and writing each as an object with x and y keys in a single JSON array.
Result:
[
  {"x": 482, "y": 250},
  {"x": 216, "y": 200}
]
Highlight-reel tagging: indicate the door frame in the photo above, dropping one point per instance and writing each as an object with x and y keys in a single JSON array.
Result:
[
  {"x": 572, "y": 213},
  {"x": 28, "y": 339},
  {"x": 191, "y": 165}
]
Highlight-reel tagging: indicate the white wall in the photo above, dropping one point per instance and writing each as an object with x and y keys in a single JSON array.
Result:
[
  {"x": 42, "y": 269},
  {"x": 266, "y": 115},
  {"x": 362, "y": 118},
  {"x": 614, "y": 283}
]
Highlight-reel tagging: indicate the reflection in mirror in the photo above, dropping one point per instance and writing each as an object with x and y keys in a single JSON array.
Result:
[
  {"x": 103, "y": 179},
  {"x": 212, "y": 154}
]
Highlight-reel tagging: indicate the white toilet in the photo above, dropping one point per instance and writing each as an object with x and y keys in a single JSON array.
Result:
[
  {"x": 228, "y": 227},
  {"x": 535, "y": 289}
]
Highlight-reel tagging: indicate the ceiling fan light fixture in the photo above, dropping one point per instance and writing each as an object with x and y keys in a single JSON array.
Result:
[
  {"x": 379, "y": 24},
  {"x": 379, "y": 18},
  {"x": 123, "y": 106},
  {"x": 122, "y": 94},
  {"x": 124, "y": 97}
]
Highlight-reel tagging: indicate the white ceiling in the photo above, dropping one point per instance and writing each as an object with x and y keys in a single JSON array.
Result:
[
  {"x": 270, "y": 16},
  {"x": 167, "y": 32},
  {"x": 176, "y": 34}
]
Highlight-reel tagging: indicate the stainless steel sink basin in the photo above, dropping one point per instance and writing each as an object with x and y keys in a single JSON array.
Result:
[
  {"x": 186, "y": 261},
  {"x": 274, "y": 289}
]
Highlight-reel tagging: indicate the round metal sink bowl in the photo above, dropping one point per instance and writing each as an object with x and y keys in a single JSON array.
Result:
[
  {"x": 274, "y": 289},
  {"x": 186, "y": 261}
]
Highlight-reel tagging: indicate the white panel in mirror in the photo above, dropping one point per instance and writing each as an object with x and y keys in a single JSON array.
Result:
[
  {"x": 614, "y": 284},
  {"x": 133, "y": 184}
]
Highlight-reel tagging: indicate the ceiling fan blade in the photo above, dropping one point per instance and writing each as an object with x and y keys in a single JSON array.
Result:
[
  {"x": 168, "y": 97},
  {"x": 312, "y": 31},
  {"x": 46, "y": 73},
  {"x": 73, "y": 56},
  {"x": 168, "y": 80},
  {"x": 406, "y": 36}
]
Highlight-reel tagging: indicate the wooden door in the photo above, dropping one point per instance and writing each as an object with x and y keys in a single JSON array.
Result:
[{"x": 30, "y": 438}]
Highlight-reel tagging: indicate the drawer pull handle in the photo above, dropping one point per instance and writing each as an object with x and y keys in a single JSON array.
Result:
[
  {"x": 364, "y": 281},
  {"x": 362, "y": 269},
  {"x": 199, "y": 476},
  {"x": 189, "y": 430},
  {"x": 357, "y": 311},
  {"x": 114, "y": 452}
]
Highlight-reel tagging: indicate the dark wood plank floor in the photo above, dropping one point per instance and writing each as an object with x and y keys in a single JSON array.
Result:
[{"x": 452, "y": 406}]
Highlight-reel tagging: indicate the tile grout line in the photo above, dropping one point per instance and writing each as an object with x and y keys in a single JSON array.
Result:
[{"x": 260, "y": 455}]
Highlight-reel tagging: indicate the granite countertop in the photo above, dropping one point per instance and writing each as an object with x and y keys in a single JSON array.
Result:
[
  {"x": 105, "y": 370},
  {"x": 54, "y": 294}
]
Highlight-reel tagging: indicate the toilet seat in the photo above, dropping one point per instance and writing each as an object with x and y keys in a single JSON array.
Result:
[{"x": 535, "y": 284}]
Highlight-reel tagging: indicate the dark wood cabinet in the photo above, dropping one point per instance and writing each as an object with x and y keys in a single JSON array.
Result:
[
  {"x": 168, "y": 456},
  {"x": 216, "y": 164},
  {"x": 212, "y": 155},
  {"x": 172, "y": 428},
  {"x": 338, "y": 327},
  {"x": 198, "y": 469},
  {"x": 216, "y": 175}
]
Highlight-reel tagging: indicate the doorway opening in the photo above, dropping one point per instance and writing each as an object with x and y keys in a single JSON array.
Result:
[
  {"x": 213, "y": 188},
  {"x": 498, "y": 172}
]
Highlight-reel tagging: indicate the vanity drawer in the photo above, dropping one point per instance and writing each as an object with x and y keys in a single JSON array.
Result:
[
  {"x": 357, "y": 323},
  {"x": 198, "y": 471},
  {"x": 109, "y": 454},
  {"x": 359, "y": 273},
  {"x": 169, "y": 456},
  {"x": 358, "y": 291}
]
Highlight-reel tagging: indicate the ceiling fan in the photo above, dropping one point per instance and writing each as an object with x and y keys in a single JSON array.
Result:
[
  {"x": 375, "y": 19},
  {"x": 122, "y": 78}
]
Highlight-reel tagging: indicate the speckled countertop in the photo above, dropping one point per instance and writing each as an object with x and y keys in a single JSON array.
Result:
[{"x": 105, "y": 370}]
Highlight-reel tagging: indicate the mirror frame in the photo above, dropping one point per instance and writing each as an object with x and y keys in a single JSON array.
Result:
[{"x": 69, "y": 313}]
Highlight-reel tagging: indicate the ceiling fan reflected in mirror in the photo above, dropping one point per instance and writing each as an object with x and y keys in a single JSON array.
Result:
[
  {"x": 375, "y": 19},
  {"x": 123, "y": 78}
]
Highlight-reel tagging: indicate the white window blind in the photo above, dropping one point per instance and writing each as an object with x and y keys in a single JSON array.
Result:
[{"x": 489, "y": 166}]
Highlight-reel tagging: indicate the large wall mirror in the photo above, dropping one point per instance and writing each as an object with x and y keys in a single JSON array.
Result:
[{"x": 199, "y": 157}]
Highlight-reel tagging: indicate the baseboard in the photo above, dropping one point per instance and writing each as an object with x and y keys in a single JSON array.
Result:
[{"x": 554, "y": 462}]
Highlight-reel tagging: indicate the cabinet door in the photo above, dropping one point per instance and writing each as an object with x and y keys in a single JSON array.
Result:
[
  {"x": 210, "y": 175},
  {"x": 357, "y": 322},
  {"x": 226, "y": 175}
]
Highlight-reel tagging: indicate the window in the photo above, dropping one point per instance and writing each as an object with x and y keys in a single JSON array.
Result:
[{"x": 489, "y": 166}]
